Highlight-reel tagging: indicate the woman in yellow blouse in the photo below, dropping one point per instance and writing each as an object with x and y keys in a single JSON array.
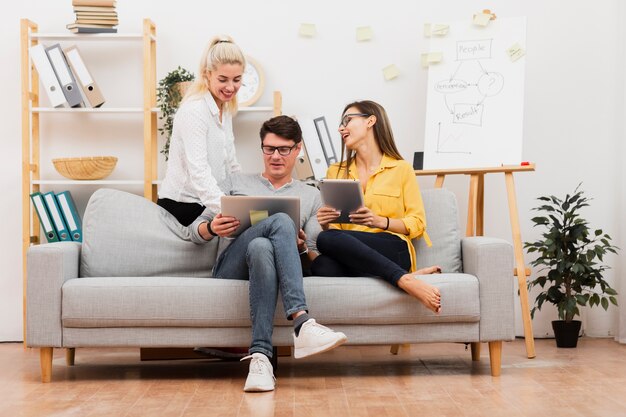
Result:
[{"x": 378, "y": 241}]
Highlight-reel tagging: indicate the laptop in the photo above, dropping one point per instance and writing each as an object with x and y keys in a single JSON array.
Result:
[{"x": 250, "y": 210}]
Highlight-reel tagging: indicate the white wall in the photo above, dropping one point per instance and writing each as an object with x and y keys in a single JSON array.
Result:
[{"x": 572, "y": 114}]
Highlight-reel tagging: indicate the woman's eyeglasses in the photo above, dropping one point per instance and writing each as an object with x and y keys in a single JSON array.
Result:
[
  {"x": 347, "y": 117},
  {"x": 282, "y": 150}
]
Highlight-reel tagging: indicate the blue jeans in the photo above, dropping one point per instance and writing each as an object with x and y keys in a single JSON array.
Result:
[{"x": 267, "y": 255}]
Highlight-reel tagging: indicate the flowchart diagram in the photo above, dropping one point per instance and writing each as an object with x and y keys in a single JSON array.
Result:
[{"x": 475, "y": 97}]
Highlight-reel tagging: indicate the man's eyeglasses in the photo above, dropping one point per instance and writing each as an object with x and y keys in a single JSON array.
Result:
[
  {"x": 347, "y": 117},
  {"x": 282, "y": 150}
]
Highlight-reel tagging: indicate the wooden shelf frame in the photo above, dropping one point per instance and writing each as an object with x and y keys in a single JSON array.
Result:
[{"x": 31, "y": 113}]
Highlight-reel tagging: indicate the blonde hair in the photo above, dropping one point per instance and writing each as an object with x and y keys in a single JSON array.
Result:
[
  {"x": 220, "y": 50},
  {"x": 382, "y": 134}
]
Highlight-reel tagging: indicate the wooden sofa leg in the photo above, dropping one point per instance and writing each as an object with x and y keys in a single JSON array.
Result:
[
  {"x": 45, "y": 359},
  {"x": 495, "y": 357},
  {"x": 70, "y": 354},
  {"x": 396, "y": 348},
  {"x": 475, "y": 346}
]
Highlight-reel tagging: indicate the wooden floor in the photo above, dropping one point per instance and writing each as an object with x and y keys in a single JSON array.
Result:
[{"x": 427, "y": 380}]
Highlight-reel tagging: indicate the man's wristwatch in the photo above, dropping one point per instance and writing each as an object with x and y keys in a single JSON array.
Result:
[{"x": 305, "y": 251}]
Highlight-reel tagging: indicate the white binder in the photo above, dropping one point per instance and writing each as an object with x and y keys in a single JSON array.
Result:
[
  {"x": 313, "y": 145},
  {"x": 64, "y": 75},
  {"x": 83, "y": 76},
  {"x": 46, "y": 75}
]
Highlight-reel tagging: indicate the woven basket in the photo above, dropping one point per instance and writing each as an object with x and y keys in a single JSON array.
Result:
[{"x": 86, "y": 168}]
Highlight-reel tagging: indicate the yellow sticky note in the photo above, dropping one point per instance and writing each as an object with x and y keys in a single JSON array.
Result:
[
  {"x": 390, "y": 72},
  {"x": 364, "y": 33},
  {"x": 435, "y": 57},
  {"x": 431, "y": 58},
  {"x": 515, "y": 52},
  {"x": 440, "y": 30},
  {"x": 427, "y": 30},
  {"x": 482, "y": 19},
  {"x": 257, "y": 216},
  {"x": 308, "y": 30}
]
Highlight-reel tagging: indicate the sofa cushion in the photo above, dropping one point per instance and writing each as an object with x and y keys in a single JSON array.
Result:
[
  {"x": 442, "y": 225},
  {"x": 199, "y": 302},
  {"x": 128, "y": 235}
]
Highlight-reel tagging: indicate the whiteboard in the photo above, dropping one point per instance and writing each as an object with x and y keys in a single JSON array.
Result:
[{"x": 475, "y": 96}]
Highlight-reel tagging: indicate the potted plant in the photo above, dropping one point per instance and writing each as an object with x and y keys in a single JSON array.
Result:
[
  {"x": 169, "y": 93},
  {"x": 570, "y": 258}
]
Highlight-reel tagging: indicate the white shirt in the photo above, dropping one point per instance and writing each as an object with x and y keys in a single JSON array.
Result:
[{"x": 202, "y": 154}]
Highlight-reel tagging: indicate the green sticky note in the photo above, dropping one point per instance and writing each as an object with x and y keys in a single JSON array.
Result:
[{"x": 257, "y": 216}]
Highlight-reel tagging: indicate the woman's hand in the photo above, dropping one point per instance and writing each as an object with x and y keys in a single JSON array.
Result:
[
  {"x": 366, "y": 217},
  {"x": 325, "y": 215},
  {"x": 224, "y": 226}
]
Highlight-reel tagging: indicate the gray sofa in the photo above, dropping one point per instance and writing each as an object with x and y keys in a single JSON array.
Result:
[{"x": 138, "y": 281}]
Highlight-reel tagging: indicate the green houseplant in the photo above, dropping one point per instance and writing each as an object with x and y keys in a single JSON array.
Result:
[
  {"x": 169, "y": 95},
  {"x": 570, "y": 258}
]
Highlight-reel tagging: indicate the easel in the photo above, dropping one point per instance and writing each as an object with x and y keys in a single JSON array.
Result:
[{"x": 475, "y": 223}]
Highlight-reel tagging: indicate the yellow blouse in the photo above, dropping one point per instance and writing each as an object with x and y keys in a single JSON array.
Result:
[{"x": 392, "y": 191}]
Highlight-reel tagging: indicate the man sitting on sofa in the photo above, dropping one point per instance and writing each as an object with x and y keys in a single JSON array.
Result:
[{"x": 269, "y": 253}]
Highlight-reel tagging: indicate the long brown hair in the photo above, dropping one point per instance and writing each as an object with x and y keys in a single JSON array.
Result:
[{"x": 382, "y": 133}]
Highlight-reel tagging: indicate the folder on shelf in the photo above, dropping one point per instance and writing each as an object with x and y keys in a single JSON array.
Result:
[
  {"x": 64, "y": 75},
  {"x": 313, "y": 145},
  {"x": 304, "y": 170},
  {"x": 47, "y": 76},
  {"x": 44, "y": 217},
  {"x": 324, "y": 136},
  {"x": 72, "y": 219},
  {"x": 56, "y": 216},
  {"x": 84, "y": 78}
]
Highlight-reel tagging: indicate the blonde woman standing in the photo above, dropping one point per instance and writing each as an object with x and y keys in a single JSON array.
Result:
[{"x": 202, "y": 150}]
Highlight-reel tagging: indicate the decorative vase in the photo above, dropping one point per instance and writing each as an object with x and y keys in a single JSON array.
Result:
[{"x": 566, "y": 334}]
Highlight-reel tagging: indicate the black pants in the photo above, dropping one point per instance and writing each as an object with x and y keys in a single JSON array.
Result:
[
  {"x": 346, "y": 253},
  {"x": 185, "y": 213}
]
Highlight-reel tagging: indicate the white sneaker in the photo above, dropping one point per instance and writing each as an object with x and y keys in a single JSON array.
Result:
[
  {"x": 261, "y": 374},
  {"x": 315, "y": 338}
]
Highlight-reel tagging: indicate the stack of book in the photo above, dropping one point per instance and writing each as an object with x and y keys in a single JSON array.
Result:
[{"x": 94, "y": 16}]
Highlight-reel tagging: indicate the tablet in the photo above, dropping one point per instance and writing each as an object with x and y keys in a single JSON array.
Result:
[
  {"x": 343, "y": 195},
  {"x": 250, "y": 210}
]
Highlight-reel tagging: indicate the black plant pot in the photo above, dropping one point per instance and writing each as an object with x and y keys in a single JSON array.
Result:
[{"x": 566, "y": 334}]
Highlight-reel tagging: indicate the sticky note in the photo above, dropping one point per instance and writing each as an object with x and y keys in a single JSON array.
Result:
[
  {"x": 440, "y": 30},
  {"x": 257, "y": 216},
  {"x": 515, "y": 52},
  {"x": 364, "y": 33},
  {"x": 427, "y": 30},
  {"x": 308, "y": 30},
  {"x": 390, "y": 72},
  {"x": 482, "y": 19},
  {"x": 431, "y": 58}
]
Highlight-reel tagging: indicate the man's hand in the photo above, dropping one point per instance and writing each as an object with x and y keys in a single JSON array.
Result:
[
  {"x": 224, "y": 226},
  {"x": 302, "y": 241}
]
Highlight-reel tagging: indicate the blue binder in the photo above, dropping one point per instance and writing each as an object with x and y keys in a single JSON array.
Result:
[
  {"x": 44, "y": 217},
  {"x": 72, "y": 219},
  {"x": 56, "y": 216}
]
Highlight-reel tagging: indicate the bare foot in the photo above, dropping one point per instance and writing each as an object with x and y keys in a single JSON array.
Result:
[
  {"x": 435, "y": 269},
  {"x": 427, "y": 294}
]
